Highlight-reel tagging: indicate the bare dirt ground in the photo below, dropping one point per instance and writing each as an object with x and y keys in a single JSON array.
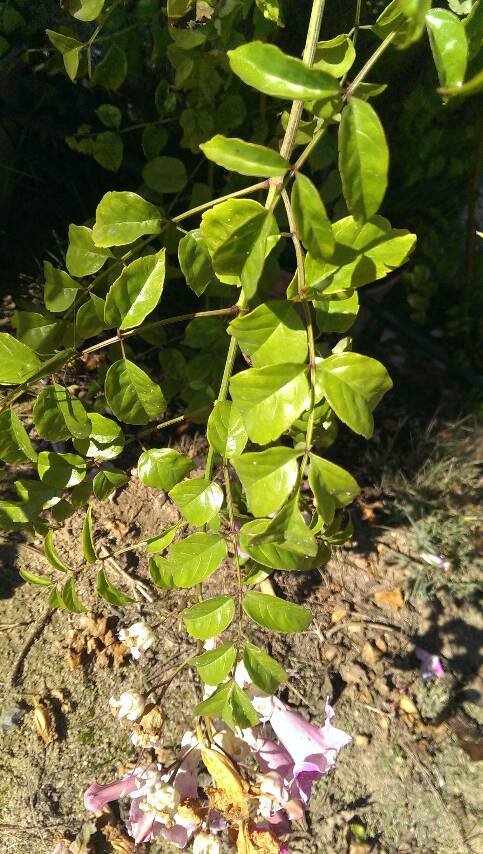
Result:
[{"x": 409, "y": 780}]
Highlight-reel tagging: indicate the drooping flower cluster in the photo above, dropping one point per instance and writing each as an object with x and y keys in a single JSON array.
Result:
[{"x": 263, "y": 778}]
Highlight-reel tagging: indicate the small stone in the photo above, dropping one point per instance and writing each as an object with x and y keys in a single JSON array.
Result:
[
  {"x": 361, "y": 740},
  {"x": 381, "y": 645},
  {"x": 407, "y": 706},
  {"x": 369, "y": 655},
  {"x": 338, "y": 614},
  {"x": 330, "y": 652},
  {"x": 380, "y": 685},
  {"x": 353, "y": 674}
]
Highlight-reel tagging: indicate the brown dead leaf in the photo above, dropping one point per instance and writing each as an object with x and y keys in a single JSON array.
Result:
[
  {"x": 253, "y": 841},
  {"x": 338, "y": 614},
  {"x": 408, "y": 707},
  {"x": 226, "y": 777},
  {"x": 96, "y": 640},
  {"x": 44, "y": 721},
  {"x": 149, "y": 726},
  {"x": 121, "y": 843},
  {"x": 392, "y": 599},
  {"x": 369, "y": 655}
]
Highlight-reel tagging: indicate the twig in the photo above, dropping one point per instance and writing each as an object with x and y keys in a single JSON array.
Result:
[
  {"x": 136, "y": 585},
  {"x": 37, "y": 630}
]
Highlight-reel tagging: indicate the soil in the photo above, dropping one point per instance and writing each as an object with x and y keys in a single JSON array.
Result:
[{"x": 407, "y": 783}]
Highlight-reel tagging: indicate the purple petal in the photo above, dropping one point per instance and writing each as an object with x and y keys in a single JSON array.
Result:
[
  {"x": 306, "y": 742},
  {"x": 274, "y": 757},
  {"x": 142, "y": 826},
  {"x": 96, "y": 795},
  {"x": 430, "y": 664}
]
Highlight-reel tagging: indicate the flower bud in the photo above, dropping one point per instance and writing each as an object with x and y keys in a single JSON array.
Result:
[
  {"x": 130, "y": 705},
  {"x": 206, "y": 843}
]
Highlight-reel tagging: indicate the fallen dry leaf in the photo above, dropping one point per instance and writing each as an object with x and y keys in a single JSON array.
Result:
[
  {"x": 44, "y": 721},
  {"x": 253, "y": 841},
  {"x": 408, "y": 707},
  {"x": 370, "y": 655},
  {"x": 392, "y": 599},
  {"x": 338, "y": 614}
]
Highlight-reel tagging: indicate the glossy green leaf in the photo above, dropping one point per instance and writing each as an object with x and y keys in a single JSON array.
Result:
[
  {"x": 214, "y": 666},
  {"x": 109, "y": 592},
  {"x": 70, "y": 598},
  {"x": 105, "y": 440},
  {"x": 163, "y": 468},
  {"x": 271, "y": 334},
  {"x": 58, "y": 415},
  {"x": 353, "y": 386},
  {"x": 364, "y": 252},
  {"x": 246, "y": 158},
  {"x": 276, "y": 614},
  {"x": 472, "y": 87},
  {"x": 255, "y": 573},
  {"x": 70, "y": 50},
  {"x": 85, "y": 10},
  {"x": 209, "y": 618},
  {"x": 88, "y": 546},
  {"x": 89, "y": 320},
  {"x": 262, "y": 669},
  {"x": 165, "y": 175},
  {"x": 41, "y": 332},
  {"x": 254, "y": 264},
  {"x": 278, "y": 555},
  {"x": 225, "y": 431},
  {"x": 61, "y": 470},
  {"x": 122, "y": 217},
  {"x": 195, "y": 261},
  {"x": 269, "y": 70},
  {"x": 133, "y": 397},
  {"x": 17, "y": 361},
  {"x": 333, "y": 487},
  {"x": 15, "y": 445},
  {"x": 111, "y": 71},
  {"x": 336, "y": 315},
  {"x": 60, "y": 290},
  {"x": 268, "y": 478},
  {"x": 195, "y": 558},
  {"x": 51, "y": 554},
  {"x": 313, "y": 225},
  {"x": 363, "y": 158},
  {"x": 136, "y": 292},
  {"x": 216, "y": 704},
  {"x": 15, "y": 515},
  {"x": 270, "y": 399},
  {"x": 197, "y": 499},
  {"x": 449, "y": 46},
  {"x": 107, "y": 481},
  {"x": 37, "y": 495},
  {"x": 162, "y": 541},
  {"x": 289, "y": 530},
  {"x": 38, "y": 580},
  {"x": 405, "y": 18},
  {"x": 335, "y": 56},
  {"x": 239, "y": 711},
  {"x": 161, "y": 572}
]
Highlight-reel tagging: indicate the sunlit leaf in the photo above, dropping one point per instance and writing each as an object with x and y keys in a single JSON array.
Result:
[
  {"x": 133, "y": 397},
  {"x": 209, "y": 618},
  {"x": 163, "y": 468},
  {"x": 136, "y": 292},
  {"x": 195, "y": 261},
  {"x": 105, "y": 440},
  {"x": 51, "y": 554},
  {"x": 88, "y": 546},
  {"x": 363, "y": 158},
  {"x": 332, "y": 486},
  {"x": 60, "y": 289},
  {"x": 214, "y": 665},
  {"x": 15, "y": 445},
  {"x": 225, "y": 431},
  {"x": 353, "y": 386},
  {"x": 70, "y": 598},
  {"x": 109, "y": 592},
  {"x": 271, "y": 334},
  {"x": 447, "y": 37},
  {"x": 313, "y": 225},
  {"x": 107, "y": 481},
  {"x": 246, "y": 158},
  {"x": 122, "y": 217},
  {"x": 276, "y": 614},
  {"x": 17, "y": 361},
  {"x": 263, "y": 670},
  {"x": 270, "y": 399},
  {"x": 268, "y": 478},
  {"x": 195, "y": 558},
  {"x": 269, "y": 70},
  {"x": 38, "y": 580},
  {"x": 61, "y": 470},
  {"x": 198, "y": 500}
]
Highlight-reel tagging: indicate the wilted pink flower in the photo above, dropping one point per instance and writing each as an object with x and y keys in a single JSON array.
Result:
[
  {"x": 430, "y": 664},
  {"x": 97, "y": 795}
]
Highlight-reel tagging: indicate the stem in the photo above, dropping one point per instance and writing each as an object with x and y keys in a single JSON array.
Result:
[
  {"x": 160, "y": 426},
  {"x": 299, "y": 252},
  {"x": 367, "y": 67},
  {"x": 234, "y": 538},
  {"x": 309, "y": 148},
  {"x": 262, "y": 185}
]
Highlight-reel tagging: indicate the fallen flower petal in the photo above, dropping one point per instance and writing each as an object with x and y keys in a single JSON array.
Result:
[
  {"x": 430, "y": 664},
  {"x": 97, "y": 795}
]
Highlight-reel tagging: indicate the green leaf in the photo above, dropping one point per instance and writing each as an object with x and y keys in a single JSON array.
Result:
[
  {"x": 195, "y": 261},
  {"x": 276, "y": 614},
  {"x": 85, "y": 10},
  {"x": 105, "y": 440},
  {"x": 107, "y": 481},
  {"x": 195, "y": 558},
  {"x": 363, "y": 158},
  {"x": 136, "y": 292},
  {"x": 231, "y": 230},
  {"x": 51, "y": 554},
  {"x": 333, "y": 487},
  {"x": 70, "y": 598},
  {"x": 335, "y": 56},
  {"x": 89, "y": 319},
  {"x": 37, "y": 495},
  {"x": 336, "y": 315},
  {"x": 55, "y": 599},
  {"x": 225, "y": 431},
  {"x": 111, "y": 71},
  {"x": 214, "y": 665},
  {"x": 162, "y": 541},
  {"x": 109, "y": 115},
  {"x": 270, "y": 399},
  {"x": 269, "y": 70},
  {"x": 58, "y": 415},
  {"x": 110, "y": 593},
  {"x": 15, "y": 515},
  {"x": 255, "y": 261},
  {"x": 88, "y": 546},
  {"x": 83, "y": 256},
  {"x": 209, "y": 618},
  {"x": 41, "y": 332},
  {"x": 39, "y": 580},
  {"x": 364, "y": 252},
  {"x": 271, "y": 334},
  {"x": 163, "y": 468},
  {"x": 15, "y": 445},
  {"x": 122, "y": 217},
  {"x": 262, "y": 669},
  {"x": 268, "y": 478},
  {"x": 165, "y": 175},
  {"x": 313, "y": 225},
  {"x": 216, "y": 704},
  {"x": 178, "y": 9},
  {"x": 108, "y": 150},
  {"x": 69, "y": 48},
  {"x": 239, "y": 711},
  {"x": 199, "y": 500},
  {"x": 81, "y": 494},
  {"x": 270, "y": 10},
  {"x": 132, "y": 395},
  {"x": 353, "y": 386},
  {"x": 472, "y": 87},
  {"x": 60, "y": 290},
  {"x": 161, "y": 571},
  {"x": 473, "y": 25},
  {"x": 289, "y": 529},
  {"x": 17, "y": 361},
  {"x": 277, "y": 555},
  {"x": 449, "y": 46},
  {"x": 246, "y": 158},
  {"x": 61, "y": 470}
]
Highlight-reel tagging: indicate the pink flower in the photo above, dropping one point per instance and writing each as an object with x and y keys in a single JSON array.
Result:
[
  {"x": 142, "y": 826},
  {"x": 97, "y": 795},
  {"x": 430, "y": 665},
  {"x": 313, "y": 749}
]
